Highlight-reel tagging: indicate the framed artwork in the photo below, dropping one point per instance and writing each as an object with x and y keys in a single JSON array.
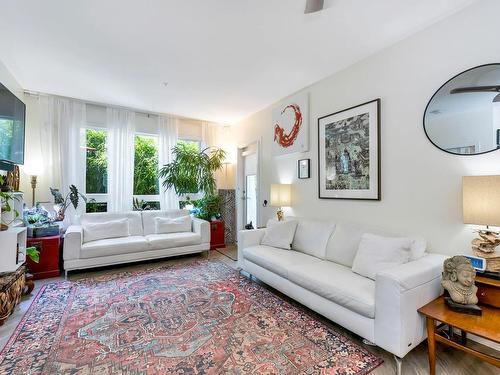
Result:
[
  {"x": 349, "y": 153},
  {"x": 304, "y": 168},
  {"x": 291, "y": 126}
]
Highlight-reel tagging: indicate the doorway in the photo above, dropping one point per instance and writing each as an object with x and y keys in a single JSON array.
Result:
[{"x": 248, "y": 186}]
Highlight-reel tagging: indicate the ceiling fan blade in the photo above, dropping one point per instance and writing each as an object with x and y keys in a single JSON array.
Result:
[
  {"x": 462, "y": 90},
  {"x": 314, "y": 6}
]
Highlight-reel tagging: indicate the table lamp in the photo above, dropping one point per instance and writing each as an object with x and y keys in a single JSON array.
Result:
[
  {"x": 481, "y": 206},
  {"x": 281, "y": 196},
  {"x": 34, "y": 168}
]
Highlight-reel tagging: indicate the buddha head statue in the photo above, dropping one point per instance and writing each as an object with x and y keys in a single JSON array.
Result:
[{"x": 458, "y": 280}]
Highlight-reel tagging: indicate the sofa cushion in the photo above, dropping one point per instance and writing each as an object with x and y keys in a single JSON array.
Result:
[
  {"x": 148, "y": 218},
  {"x": 377, "y": 253},
  {"x": 107, "y": 229},
  {"x": 172, "y": 225},
  {"x": 279, "y": 234},
  {"x": 338, "y": 284},
  {"x": 311, "y": 237},
  {"x": 169, "y": 240},
  {"x": 277, "y": 260},
  {"x": 343, "y": 244},
  {"x": 134, "y": 220},
  {"x": 114, "y": 246}
]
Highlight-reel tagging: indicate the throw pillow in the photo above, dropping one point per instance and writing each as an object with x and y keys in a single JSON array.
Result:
[
  {"x": 377, "y": 253},
  {"x": 279, "y": 234},
  {"x": 172, "y": 225},
  {"x": 418, "y": 247},
  {"x": 106, "y": 229},
  {"x": 311, "y": 237}
]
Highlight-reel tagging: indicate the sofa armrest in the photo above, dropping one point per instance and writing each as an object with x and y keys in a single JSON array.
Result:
[
  {"x": 399, "y": 293},
  {"x": 201, "y": 227},
  {"x": 73, "y": 240},
  {"x": 248, "y": 238}
]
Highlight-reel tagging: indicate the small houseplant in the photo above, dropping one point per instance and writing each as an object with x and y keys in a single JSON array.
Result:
[
  {"x": 208, "y": 207},
  {"x": 33, "y": 253},
  {"x": 62, "y": 203},
  {"x": 5, "y": 206}
]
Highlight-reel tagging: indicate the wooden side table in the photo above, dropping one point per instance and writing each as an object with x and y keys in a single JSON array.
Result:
[
  {"x": 485, "y": 326},
  {"x": 217, "y": 234},
  {"x": 49, "y": 248}
]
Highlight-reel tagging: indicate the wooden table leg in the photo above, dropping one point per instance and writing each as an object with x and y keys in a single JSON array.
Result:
[
  {"x": 463, "y": 340},
  {"x": 431, "y": 343}
]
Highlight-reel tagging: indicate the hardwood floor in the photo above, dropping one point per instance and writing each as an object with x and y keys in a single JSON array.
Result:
[{"x": 449, "y": 361}]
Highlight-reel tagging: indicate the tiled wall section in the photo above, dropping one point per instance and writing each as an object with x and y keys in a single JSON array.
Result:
[{"x": 228, "y": 212}]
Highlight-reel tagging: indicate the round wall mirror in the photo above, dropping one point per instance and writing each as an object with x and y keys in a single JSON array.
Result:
[{"x": 463, "y": 116}]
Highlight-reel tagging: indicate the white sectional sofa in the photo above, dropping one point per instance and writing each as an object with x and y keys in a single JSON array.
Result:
[
  {"x": 317, "y": 272},
  {"x": 141, "y": 243}
]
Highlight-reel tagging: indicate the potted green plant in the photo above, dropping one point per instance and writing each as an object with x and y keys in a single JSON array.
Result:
[
  {"x": 193, "y": 171},
  {"x": 208, "y": 207},
  {"x": 5, "y": 206},
  {"x": 62, "y": 203},
  {"x": 33, "y": 253}
]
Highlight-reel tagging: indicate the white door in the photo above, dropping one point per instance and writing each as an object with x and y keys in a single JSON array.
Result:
[
  {"x": 248, "y": 187},
  {"x": 251, "y": 200}
]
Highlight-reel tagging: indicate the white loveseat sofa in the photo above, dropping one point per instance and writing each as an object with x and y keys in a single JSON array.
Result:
[
  {"x": 142, "y": 243},
  {"x": 319, "y": 275}
]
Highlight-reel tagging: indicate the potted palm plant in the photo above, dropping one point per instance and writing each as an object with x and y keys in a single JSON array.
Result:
[{"x": 193, "y": 171}]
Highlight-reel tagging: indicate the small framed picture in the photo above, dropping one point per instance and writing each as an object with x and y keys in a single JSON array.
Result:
[{"x": 304, "y": 168}]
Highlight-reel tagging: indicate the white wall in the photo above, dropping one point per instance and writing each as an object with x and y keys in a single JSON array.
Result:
[{"x": 421, "y": 185}]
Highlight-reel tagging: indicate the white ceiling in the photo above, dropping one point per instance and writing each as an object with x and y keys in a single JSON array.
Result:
[{"x": 222, "y": 59}]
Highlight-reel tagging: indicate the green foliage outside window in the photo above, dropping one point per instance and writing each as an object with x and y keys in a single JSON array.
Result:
[
  {"x": 146, "y": 166},
  {"x": 97, "y": 162}
]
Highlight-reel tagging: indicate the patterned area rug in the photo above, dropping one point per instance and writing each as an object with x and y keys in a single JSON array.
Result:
[{"x": 201, "y": 318}]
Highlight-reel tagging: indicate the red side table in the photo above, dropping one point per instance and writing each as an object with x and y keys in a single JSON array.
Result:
[
  {"x": 49, "y": 248},
  {"x": 217, "y": 234}
]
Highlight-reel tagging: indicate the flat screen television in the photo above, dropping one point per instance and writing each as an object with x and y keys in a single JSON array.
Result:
[{"x": 12, "y": 116}]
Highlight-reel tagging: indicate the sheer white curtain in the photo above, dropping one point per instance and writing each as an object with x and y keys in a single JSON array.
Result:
[
  {"x": 62, "y": 135},
  {"x": 209, "y": 134},
  {"x": 167, "y": 138},
  {"x": 121, "y": 133}
]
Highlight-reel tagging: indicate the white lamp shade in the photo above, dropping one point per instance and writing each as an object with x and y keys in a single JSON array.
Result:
[
  {"x": 481, "y": 200},
  {"x": 33, "y": 167},
  {"x": 281, "y": 195}
]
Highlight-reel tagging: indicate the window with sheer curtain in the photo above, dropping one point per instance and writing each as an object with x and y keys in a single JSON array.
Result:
[
  {"x": 96, "y": 171},
  {"x": 146, "y": 181}
]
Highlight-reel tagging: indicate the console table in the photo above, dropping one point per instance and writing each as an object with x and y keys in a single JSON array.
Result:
[
  {"x": 50, "y": 252},
  {"x": 485, "y": 326},
  {"x": 217, "y": 234}
]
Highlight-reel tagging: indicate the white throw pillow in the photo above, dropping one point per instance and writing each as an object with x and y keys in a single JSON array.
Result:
[
  {"x": 311, "y": 237},
  {"x": 418, "y": 248},
  {"x": 377, "y": 253},
  {"x": 172, "y": 225},
  {"x": 279, "y": 234},
  {"x": 106, "y": 229}
]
